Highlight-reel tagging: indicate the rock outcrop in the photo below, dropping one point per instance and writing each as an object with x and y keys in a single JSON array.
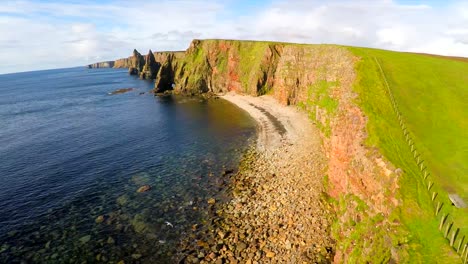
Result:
[
  {"x": 151, "y": 67},
  {"x": 103, "y": 64},
  {"x": 137, "y": 62}
]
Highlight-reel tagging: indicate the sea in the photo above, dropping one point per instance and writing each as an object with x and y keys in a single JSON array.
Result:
[{"x": 73, "y": 156}]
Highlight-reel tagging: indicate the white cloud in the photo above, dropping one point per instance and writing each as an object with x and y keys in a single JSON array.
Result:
[{"x": 35, "y": 35}]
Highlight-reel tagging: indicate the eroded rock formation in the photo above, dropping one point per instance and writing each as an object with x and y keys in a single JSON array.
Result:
[
  {"x": 137, "y": 62},
  {"x": 151, "y": 67}
]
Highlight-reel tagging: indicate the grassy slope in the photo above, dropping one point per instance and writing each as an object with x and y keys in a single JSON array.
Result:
[{"x": 430, "y": 92}]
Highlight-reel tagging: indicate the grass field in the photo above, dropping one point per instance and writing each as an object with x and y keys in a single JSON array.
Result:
[{"x": 432, "y": 94}]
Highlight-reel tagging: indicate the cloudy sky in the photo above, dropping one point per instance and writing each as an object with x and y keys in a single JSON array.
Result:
[{"x": 44, "y": 34}]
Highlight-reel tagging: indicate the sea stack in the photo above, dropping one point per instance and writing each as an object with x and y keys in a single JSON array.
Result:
[
  {"x": 137, "y": 62},
  {"x": 151, "y": 67}
]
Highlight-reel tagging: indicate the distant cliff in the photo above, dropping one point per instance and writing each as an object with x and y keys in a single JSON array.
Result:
[
  {"x": 104, "y": 64},
  {"x": 148, "y": 67}
]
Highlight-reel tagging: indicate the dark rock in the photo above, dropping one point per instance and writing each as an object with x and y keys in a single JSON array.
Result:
[
  {"x": 85, "y": 239},
  {"x": 165, "y": 78},
  {"x": 121, "y": 91},
  {"x": 226, "y": 172}
]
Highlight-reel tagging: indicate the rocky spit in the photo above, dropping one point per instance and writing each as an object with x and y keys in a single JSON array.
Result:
[{"x": 276, "y": 212}]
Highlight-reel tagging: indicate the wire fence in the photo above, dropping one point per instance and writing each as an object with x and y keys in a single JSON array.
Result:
[{"x": 447, "y": 226}]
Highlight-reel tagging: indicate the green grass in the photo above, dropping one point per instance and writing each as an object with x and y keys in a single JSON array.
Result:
[
  {"x": 249, "y": 62},
  {"x": 431, "y": 93},
  {"x": 318, "y": 94},
  {"x": 366, "y": 241}
]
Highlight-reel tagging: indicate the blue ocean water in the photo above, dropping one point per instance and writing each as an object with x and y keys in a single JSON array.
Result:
[{"x": 72, "y": 158}]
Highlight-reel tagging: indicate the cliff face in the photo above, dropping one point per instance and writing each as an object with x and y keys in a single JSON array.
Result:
[
  {"x": 221, "y": 66},
  {"x": 250, "y": 67},
  {"x": 104, "y": 64},
  {"x": 122, "y": 63}
]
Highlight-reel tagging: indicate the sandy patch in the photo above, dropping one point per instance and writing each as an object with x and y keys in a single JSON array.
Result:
[{"x": 277, "y": 124}]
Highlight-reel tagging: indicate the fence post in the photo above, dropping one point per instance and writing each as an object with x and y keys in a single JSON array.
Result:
[
  {"x": 447, "y": 230},
  {"x": 466, "y": 254},
  {"x": 429, "y": 186},
  {"x": 426, "y": 175},
  {"x": 439, "y": 206},
  {"x": 460, "y": 244},
  {"x": 421, "y": 167},
  {"x": 442, "y": 221},
  {"x": 454, "y": 236},
  {"x": 434, "y": 195}
]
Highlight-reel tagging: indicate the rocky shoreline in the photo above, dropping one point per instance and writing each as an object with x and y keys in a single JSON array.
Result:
[{"x": 276, "y": 212}]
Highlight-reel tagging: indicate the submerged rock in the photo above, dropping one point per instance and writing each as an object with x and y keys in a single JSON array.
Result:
[
  {"x": 142, "y": 178},
  {"x": 144, "y": 188},
  {"x": 136, "y": 256},
  {"x": 121, "y": 91},
  {"x": 140, "y": 225},
  {"x": 100, "y": 219},
  {"x": 85, "y": 239},
  {"x": 122, "y": 200},
  {"x": 4, "y": 248},
  {"x": 110, "y": 240}
]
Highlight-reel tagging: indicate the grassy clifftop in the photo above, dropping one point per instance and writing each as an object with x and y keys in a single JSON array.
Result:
[{"x": 430, "y": 93}]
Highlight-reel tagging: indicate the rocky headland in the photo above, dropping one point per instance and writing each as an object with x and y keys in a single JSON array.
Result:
[
  {"x": 310, "y": 148},
  {"x": 103, "y": 64}
]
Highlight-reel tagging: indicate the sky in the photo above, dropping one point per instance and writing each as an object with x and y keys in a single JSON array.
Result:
[{"x": 45, "y": 34}]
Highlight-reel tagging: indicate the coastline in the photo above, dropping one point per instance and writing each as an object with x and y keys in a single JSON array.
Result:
[{"x": 276, "y": 211}]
